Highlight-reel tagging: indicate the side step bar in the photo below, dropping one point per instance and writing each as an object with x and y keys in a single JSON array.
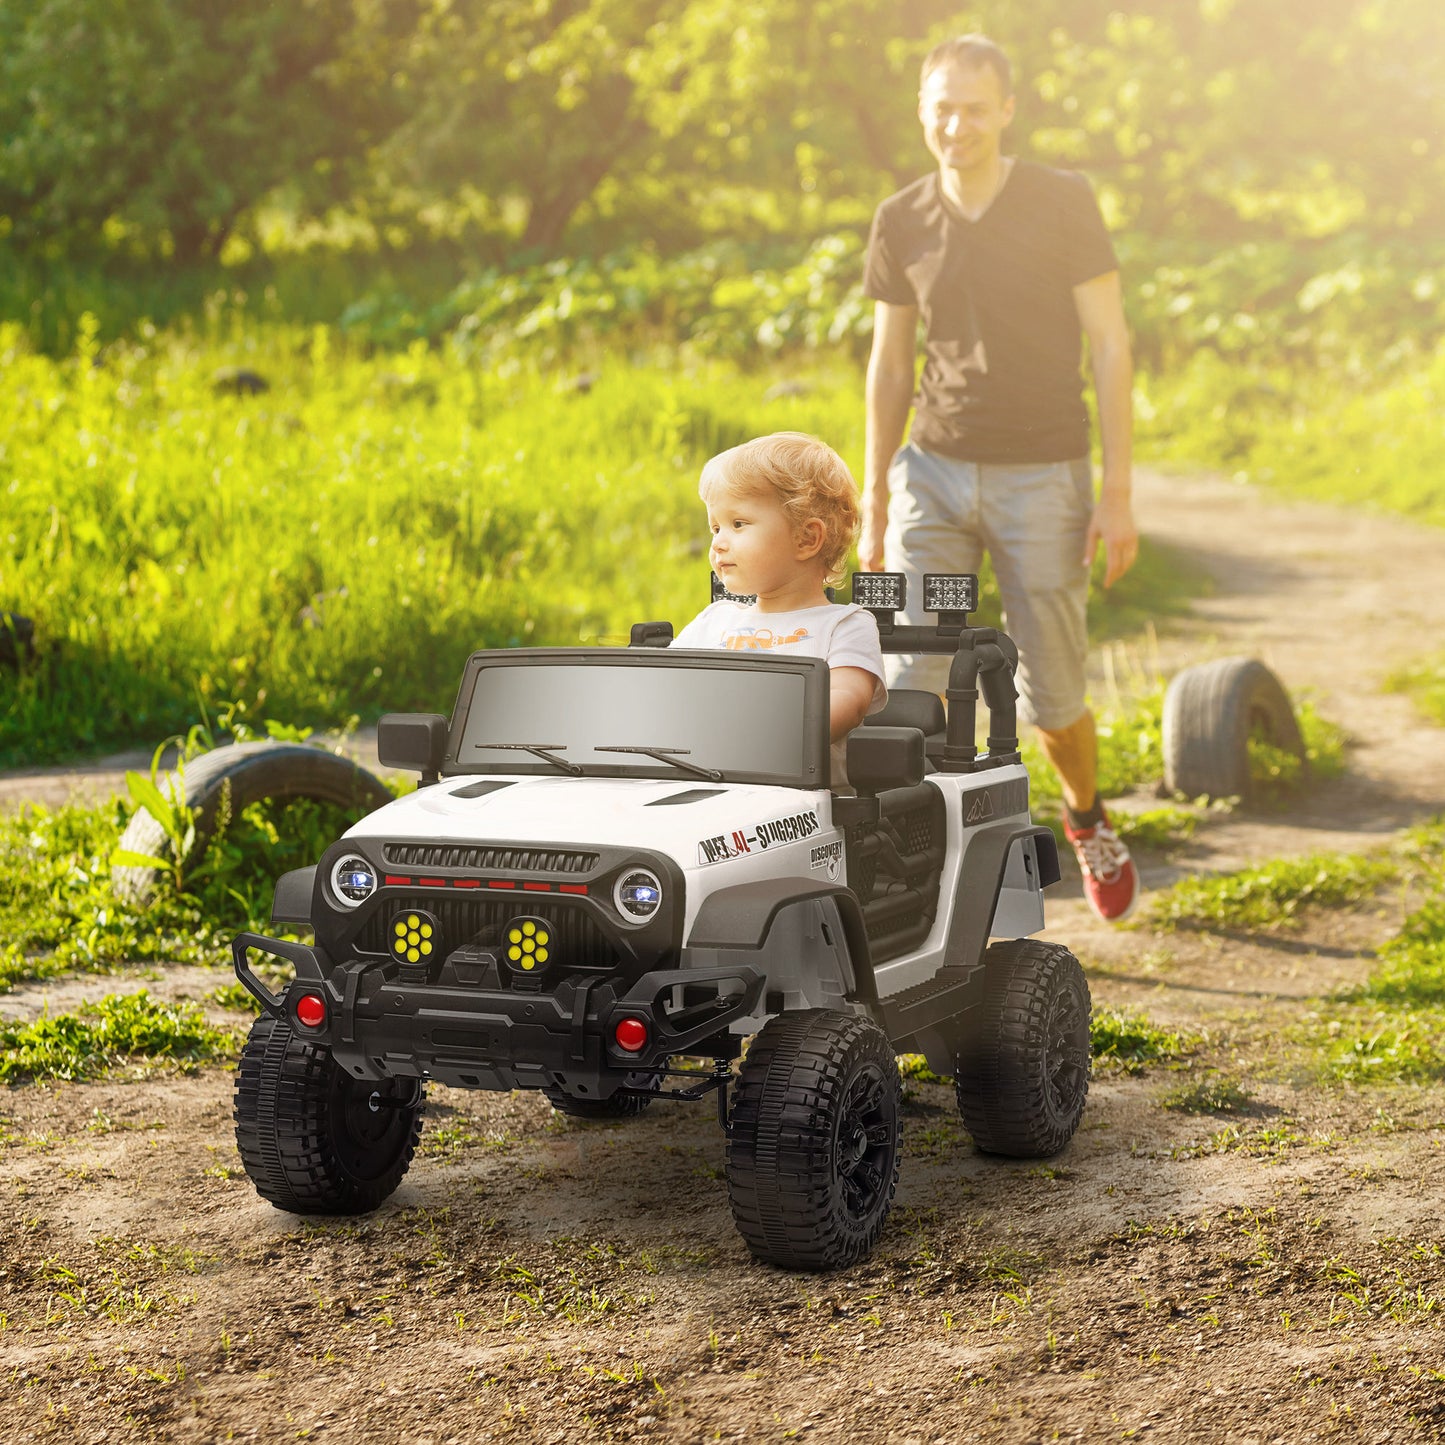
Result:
[{"x": 916, "y": 1010}]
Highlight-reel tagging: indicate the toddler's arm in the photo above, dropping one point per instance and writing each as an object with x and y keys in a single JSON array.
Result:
[{"x": 850, "y": 691}]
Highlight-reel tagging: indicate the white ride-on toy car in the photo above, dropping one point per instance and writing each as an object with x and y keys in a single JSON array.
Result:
[{"x": 622, "y": 858}]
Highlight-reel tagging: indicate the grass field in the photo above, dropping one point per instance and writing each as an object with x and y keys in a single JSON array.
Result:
[{"x": 337, "y": 544}]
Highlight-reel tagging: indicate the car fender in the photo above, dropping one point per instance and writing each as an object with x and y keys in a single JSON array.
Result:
[
  {"x": 1004, "y": 866},
  {"x": 752, "y": 916}
]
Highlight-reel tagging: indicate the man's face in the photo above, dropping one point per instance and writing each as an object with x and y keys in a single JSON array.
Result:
[{"x": 964, "y": 112}]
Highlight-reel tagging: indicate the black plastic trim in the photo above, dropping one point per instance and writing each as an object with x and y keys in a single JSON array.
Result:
[
  {"x": 291, "y": 902},
  {"x": 980, "y": 878}
]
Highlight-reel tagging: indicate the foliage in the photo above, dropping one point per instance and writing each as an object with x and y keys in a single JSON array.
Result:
[
  {"x": 339, "y": 544},
  {"x": 1130, "y": 1040},
  {"x": 1271, "y": 894},
  {"x": 1361, "y": 436},
  {"x": 582, "y": 124},
  {"x": 1213, "y": 1094},
  {"x": 1389, "y": 1028},
  {"x": 1278, "y": 774},
  {"x": 1424, "y": 682},
  {"x": 101, "y": 1036},
  {"x": 60, "y": 913},
  {"x": 1157, "y": 828},
  {"x": 183, "y": 114}
]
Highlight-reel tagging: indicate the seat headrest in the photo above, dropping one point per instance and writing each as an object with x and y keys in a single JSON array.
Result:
[{"x": 911, "y": 708}]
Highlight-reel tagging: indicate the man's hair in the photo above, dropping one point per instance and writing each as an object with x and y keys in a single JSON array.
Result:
[
  {"x": 971, "y": 51},
  {"x": 807, "y": 477}
]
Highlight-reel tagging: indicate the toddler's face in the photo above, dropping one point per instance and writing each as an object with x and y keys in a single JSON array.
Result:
[{"x": 753, "y": 548}]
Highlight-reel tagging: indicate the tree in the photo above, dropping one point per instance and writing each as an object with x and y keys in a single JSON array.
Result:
[{"x": 167, "y": 120}]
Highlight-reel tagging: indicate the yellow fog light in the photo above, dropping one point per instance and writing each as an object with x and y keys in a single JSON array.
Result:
[
  {"x": 528, "y": 943},
  {"x": 414, "y": 936}
]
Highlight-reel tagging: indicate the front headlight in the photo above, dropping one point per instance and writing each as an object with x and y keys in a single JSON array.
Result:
[
  {"x": 638, "y": 895},
  {"x": 353, "y": 881}
]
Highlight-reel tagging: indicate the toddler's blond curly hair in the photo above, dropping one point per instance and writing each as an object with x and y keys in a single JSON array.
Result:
[{"x": 808, "y": 478}]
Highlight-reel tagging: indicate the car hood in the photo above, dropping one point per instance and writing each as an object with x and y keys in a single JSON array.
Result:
[{"x": 683, "y": 819}]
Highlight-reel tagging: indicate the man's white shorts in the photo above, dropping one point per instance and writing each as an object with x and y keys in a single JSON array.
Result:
[{"x": 1031, "y": 519}]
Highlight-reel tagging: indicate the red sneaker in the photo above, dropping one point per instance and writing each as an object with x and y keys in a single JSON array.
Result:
[{"x": 1111, "y": 881}]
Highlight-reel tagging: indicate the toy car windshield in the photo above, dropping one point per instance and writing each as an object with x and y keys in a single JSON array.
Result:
[{"x": 661, "y": 714}]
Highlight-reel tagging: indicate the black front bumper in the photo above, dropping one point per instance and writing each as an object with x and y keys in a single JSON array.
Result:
[{"x": 379, "y": 1027}]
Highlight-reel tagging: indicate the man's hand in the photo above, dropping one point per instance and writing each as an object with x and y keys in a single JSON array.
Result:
[
  {"x": 870, "y": 538},
  {"x": 1112, "y": 524}
]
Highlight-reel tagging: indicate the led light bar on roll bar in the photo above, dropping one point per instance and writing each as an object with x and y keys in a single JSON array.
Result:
[
  {"x": 952, "y": 595},
  {"x": 880, "y": 591}
]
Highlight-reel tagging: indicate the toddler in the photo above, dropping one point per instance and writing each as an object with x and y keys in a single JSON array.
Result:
[{"x": 783, "y": 511}]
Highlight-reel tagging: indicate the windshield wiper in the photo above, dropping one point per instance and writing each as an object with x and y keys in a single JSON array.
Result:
[
  {"x": 668, "y": 755},
  {"x": 542, "y": 750}
]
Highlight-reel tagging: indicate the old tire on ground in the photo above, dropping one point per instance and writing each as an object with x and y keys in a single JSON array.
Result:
[
  {"x": 247, "y": 772},
  {"x": 813, "y": 1141},
  {"x": 313, "y": 1139},
  {"x": 1210, "y": 714},
  {"x": 1022, "y": 1071}
]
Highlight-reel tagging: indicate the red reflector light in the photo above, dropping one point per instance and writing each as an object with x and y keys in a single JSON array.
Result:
[
  {"x": 311, "y": 1010},
  {"x": 631, "y": 1035},
  {"x": 572, "y": 887}
]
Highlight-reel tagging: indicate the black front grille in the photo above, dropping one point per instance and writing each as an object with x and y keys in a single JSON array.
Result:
[
  {"x": 517, "y": 860},
  {"x": 577, "y": 940}
]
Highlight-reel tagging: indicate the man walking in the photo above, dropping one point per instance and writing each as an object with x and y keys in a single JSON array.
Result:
[{"x": 1008, "y": 265}]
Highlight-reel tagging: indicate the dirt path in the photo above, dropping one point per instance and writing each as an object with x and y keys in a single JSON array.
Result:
[{"x": 1272, "y": 1274}]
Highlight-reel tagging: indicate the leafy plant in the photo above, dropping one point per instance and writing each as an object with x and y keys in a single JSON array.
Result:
[
  {"x": 1130, "y": 1040},
  {"x": 1271, "y": 894},
  {"x": 1214, "y": 1094},
  {"x": 101, "y": 1036}
]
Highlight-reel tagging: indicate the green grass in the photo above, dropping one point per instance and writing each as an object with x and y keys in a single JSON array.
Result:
[
  {"x": 1270, "y": 895},
  {"x": 1391, "y": 1027},
  {"x": 1155, "y": 828},
  {"x": 1129, "y": 1040},
  {"x": 120, "y": 1029},
  {"x": 1342, "y": 435},
  {"x": 60, "y": 914},
  {"x": 1214, "y": 1094},
  {"x": 1424, "y": 683},
  {"x": 338, "y": 545}
]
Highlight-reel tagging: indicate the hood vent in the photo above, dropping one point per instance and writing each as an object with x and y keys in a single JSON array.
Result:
[{"x": 690, "y": 795}]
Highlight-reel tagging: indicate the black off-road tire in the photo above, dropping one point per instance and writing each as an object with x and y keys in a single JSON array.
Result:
[
  {"x": 248, "y": 772},
  {"x": 313, "y": 1139},
  {"x": 1022, "y": 1069},
  {"x": 1210, "y": 714},
  {"x": 813, "y": 1140},
  {"x": 619, "y": 1106}
]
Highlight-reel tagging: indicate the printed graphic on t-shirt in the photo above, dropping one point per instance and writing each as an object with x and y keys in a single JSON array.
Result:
[{"x": 760, "y": 639}]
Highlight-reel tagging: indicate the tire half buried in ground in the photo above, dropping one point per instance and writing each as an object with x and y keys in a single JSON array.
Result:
[
  {"x": 1210, "y": 714},
  {"x": 249, "y": 772}
]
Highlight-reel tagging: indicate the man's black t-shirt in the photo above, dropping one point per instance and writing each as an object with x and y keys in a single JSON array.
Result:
[{"x": 1001, "y": 375}]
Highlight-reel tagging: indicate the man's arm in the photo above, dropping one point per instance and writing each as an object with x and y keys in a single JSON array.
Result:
[
  {"x": 1100, "y": 304},
  {"x": 888, "y": 395}
]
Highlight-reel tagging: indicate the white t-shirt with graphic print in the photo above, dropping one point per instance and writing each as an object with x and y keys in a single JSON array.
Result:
[{"x": 845, "y": 635}]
